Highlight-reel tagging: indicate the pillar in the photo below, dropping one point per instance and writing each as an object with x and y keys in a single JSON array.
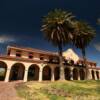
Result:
[
  {"x": 99, "y": 74},
  {"x": 71, "y": 73},
  {"x": 7, "y": 75},
  {"x": 52, "y": 74},
  {"x": 90, "y": 74},
  {"x": 78, "y": 74},
  {"x": 40, "y": 74},
  {"x": 86, "y": 73},
  {"x": 95, "y": 74},
  {"x": 26, "y": 75}
]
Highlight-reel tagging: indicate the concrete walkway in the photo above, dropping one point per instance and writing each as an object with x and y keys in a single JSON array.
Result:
[{"x": 8, "y": 92}]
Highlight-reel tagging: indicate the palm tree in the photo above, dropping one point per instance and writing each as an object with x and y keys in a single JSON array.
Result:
[
  {"x": 57, "y": 28},
  {"x": 83, "y": 35}
]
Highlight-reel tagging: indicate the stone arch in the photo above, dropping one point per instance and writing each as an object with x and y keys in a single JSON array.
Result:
[
  {"x": 93, "y": 76},
  {"x": 82, "y": 74},
  {"x": 17, "y": 72},
  {"x": 57, "y": 73},
  {"x": 67, "y": 73},
  {"x": 75, "y": 74},
  {"x": 3, "y": 70},
  {"x": 33, "y": 72},
  {"x": 97, "y": 74},
  {"x": 46, "y": 73}
]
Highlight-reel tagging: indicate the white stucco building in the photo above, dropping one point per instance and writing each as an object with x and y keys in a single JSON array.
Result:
[{"x": 29, "y": 64}]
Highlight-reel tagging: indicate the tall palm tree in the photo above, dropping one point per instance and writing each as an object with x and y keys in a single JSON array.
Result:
[
  {"x": 83, "y": 35},
  {"x": 57, "y": 28}
]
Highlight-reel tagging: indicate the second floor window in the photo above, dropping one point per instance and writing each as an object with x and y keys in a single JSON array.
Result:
[
  {"x": 9, "y": 52},
  {"x": 41, "y": 58},
  {"x": 18, "y": 53},
  {"x": 30, "y": 55}
]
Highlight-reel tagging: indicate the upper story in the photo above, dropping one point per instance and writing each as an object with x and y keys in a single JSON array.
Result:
[
  {"x": 32, "y": 54},
  {"x": 70, "y": 57}
]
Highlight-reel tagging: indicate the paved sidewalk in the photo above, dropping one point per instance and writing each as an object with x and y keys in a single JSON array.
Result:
[{"x": 8, "y": 92}]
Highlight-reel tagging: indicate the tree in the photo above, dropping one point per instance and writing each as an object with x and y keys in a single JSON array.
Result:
[
  {"x": 83, "y": 35},
  {"x": 57, "y": 27}
]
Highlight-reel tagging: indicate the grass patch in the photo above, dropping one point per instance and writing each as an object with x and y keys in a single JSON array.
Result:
[{"x": 66, "y": 90}]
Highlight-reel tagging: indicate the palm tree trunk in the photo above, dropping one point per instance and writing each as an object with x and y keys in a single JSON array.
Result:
[
  {"x": 61, "y": 63},
  {"x": 84, "y": 56},
  {"x": 85, "y": 62}
]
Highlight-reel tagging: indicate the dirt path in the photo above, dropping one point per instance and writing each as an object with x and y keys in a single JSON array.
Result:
[{"x": 8, "y": 92}]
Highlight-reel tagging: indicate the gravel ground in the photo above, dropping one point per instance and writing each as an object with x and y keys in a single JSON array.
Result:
[{"x": 8, "y": 92}]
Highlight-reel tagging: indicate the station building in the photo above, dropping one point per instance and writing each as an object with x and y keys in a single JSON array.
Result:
[{"x": 29, "y": 64}]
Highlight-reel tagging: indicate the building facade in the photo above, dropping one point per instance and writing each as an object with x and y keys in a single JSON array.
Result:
[{"x": 37, "y": 65}]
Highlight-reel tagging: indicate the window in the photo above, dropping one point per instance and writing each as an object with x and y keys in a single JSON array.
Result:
[
  {"x": 8, "y": 52},
  {"x": 41, "y": 57},
  {"x": 18, "y": 53},
  {"x": 30, "y": 55},
  {"x": 50, "y": 59}
]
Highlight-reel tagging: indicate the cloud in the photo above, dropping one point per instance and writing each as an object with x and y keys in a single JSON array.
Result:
[
  {"x": 6, "y": 39},
  {"x": 97, "y": 46}
]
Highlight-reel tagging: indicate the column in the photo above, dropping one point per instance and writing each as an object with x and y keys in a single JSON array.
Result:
[
  {"x": 40, "y": 74},
  {"x": 26, "y": 75},
  {"x": 7, "y": 75},
  {"x": 90, "y": 74},
  {"x": 52, "y": 74},
  {"x": 86, "y": 73},
  {"x": 71, "y": 73},
  {"x": 78, "y": 74},
  {"x": 95, "y": 74},
  {"x": 99, "y": 74}
]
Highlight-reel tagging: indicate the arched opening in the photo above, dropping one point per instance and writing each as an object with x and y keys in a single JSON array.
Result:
[
  {"x": 93, "y": 76},
  {"x": 57, "y": 73},
  {"x": 67, "y": 73},
  {"x": 75, "y": 74},
  {"x": 46, "y": 73},
  {"x": 33, "y": 73},
  {"x": 3, "y": 70},
  {"x": 82, "y": 74},
  {"x": 97, "y": 74},
  {"x": 17, "y": 72}
]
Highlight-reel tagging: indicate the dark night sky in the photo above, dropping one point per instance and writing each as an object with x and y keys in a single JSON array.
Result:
[{"x": 20, "y": 23}]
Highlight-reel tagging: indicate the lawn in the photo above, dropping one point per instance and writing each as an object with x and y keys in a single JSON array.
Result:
[{"x": 60, "y": 90}]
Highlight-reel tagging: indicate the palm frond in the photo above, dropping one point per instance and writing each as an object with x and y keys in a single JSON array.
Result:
[{"x": 57, "y": 26}]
